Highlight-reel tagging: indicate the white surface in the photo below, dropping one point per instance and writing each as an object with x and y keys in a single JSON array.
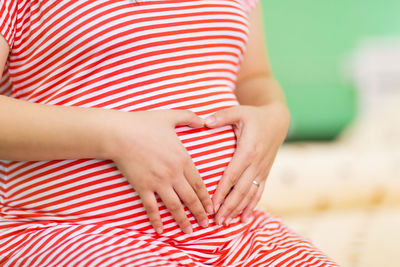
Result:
[
  {"x": 344, "y": 195},
  {"x": 375, "y": 69}
]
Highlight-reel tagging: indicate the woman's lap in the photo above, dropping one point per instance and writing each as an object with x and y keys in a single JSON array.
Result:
[{"x": 263, "y": 241}]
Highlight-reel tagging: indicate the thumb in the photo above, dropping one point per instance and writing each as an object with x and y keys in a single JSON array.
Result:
[
  {"x": 187, "y": 117},
  {"x": 222, "y": 117}
]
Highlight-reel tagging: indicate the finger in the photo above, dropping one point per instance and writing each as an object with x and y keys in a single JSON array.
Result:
[
  {"x": 237, "y": 195},
  {"x": 150, "y": 205},
  {"x": 174, "y": 205},
  {"x": 196, "y": 182},
  {"x": 223, "y": 117},
  {"x": 242, "y": 204},
  {"x": 239, "y": 163},
  {"x": 189, "y": 197},
  {"x": 187, "y": 117},
  {"x": 253, "y": 203}
]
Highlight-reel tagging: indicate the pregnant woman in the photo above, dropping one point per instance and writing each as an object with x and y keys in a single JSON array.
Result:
[{"x": 139, "y": 133}]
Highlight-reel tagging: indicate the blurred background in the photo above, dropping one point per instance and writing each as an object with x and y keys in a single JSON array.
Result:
[{"x": 336, "y": 179}]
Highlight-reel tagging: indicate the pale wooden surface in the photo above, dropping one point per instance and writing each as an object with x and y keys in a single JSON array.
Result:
[{"x": 344, "y": 195}]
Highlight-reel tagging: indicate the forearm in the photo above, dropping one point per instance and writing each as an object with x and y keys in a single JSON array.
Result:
[
  {"x": 31, "y": 132},
  {"x": 259, "y": 90}
]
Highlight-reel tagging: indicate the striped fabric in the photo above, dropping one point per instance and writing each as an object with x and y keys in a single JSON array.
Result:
[{"x": 129, "y": 56}]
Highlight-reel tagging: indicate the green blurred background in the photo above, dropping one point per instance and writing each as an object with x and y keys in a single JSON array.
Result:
[{"x": 308, "y": 43}]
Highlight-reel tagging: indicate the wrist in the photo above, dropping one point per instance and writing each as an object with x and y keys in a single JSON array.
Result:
[
  {"x": 280, "y": 112},
  {"x": 104, "y": 129}
]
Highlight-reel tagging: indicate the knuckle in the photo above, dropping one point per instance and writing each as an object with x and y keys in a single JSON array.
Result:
[
  {"x": 251, "y": 153},
  {"x": 233, "y": 213},
  {"x": 155, "y": 221},
  {"x": 151, "y": 211},
  {"x": 191, "y": 201},
  {"x": 198, "y": 185},
  {"x": 153, "y": 171},
  {"x": 232, "y": 179},
  {"x": 204, "y": 198},
  {"x": 201, "y": 218},
  {"x": 171, "y": 172},
  {"x": 159, "y": 172},
  {"x": 187, "y": 114},
  {"x": 201, "y": 215},
  {"x": 182, "y": 221},
  {"x": 242, "y": 194},
  {"x": 190, "y": 113},
  {"x": 157, "y": 179},
  {"x": 183, "y": 159},
  {"x": 249, "y": 198},
  {"x": 175, "y": 207},
  {"x": 229, "y": 208},
  {"x": 185, "y": 223}
]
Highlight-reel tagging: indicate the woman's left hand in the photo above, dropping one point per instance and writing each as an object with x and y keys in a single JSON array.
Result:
[{"x": 260, "y": 130}]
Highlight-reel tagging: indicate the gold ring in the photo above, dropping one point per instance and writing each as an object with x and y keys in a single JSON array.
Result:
[{"x": 256, "y": 183}]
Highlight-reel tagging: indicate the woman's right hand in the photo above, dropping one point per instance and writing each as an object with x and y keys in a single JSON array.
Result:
[{"x": 147, "y": 151}]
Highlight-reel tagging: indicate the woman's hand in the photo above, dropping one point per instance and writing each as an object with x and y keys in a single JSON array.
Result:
[
  {"x": 147, "y": 151},
  {"x": 260, "y": 130}
]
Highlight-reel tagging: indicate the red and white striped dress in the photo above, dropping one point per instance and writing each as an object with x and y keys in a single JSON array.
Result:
[{"x": 129, "y": 56}]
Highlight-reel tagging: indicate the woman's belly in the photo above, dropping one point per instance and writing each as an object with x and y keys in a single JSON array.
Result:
[
  {"x": 87, "y": 191},
  {"x": 183, "y": 57}
]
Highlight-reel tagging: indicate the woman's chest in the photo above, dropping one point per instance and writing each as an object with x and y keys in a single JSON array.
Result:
[{"x": 138, "y": 30}]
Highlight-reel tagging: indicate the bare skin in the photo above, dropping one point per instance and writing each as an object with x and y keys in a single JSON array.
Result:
[
  {"x": 43, "y": 132},
  {"x": 261, "y": 123}
]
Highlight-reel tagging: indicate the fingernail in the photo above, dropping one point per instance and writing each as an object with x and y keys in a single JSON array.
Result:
[
  {"x": 204, "y": 223},
  {"x": 217, "y": 207},
  {"x": 228, "y": 221},
  {"x": 209, "y": 209},
  {"x": 159, "y": 230},
  {"x": 187, "y": 230},
  {"x": 210, "y": 120},
  {"x": 221, "y": 220}
]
